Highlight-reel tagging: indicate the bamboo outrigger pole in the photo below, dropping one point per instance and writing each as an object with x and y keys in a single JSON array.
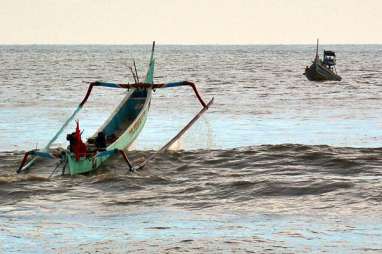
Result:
[{"x": 176, "y": 137}]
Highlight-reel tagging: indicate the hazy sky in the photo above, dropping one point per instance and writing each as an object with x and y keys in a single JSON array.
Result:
[{"x": 190, "y": 21}]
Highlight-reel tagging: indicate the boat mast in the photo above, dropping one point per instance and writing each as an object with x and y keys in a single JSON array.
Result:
[
  {"x": 317, "y": 50},
  {"x": 152, "y": 51}
]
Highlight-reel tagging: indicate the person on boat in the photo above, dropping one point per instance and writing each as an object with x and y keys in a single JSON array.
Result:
[
  {"x": 72, "y": 141},
  {"x": 100, "y": 141},
  {"x": 76, "y": 145}
]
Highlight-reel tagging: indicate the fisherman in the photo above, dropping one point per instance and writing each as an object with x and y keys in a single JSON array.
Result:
[
  {"x": 76, "y": 145},
  {"x": 100, "y": 141},
  {"x": 72, "y": 141}
]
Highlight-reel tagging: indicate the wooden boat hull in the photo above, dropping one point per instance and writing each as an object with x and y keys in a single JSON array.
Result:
[
  {"x": 319, "y": 72},
  {"x": 87, "y": 164},
  {"x": 83, "y": 165},
  {"x": 126, "y": 122}
]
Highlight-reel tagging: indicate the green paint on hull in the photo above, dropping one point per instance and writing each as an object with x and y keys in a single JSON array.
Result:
[{"x": 85, "y": 165}]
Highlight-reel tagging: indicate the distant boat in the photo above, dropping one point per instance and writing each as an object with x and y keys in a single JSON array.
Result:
[{"x": 322, "y": 70}]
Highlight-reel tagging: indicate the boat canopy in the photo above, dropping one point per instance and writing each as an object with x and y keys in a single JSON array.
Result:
[
  {"x": 329, "y": 58},
  {"x": 329, "y": 53}
]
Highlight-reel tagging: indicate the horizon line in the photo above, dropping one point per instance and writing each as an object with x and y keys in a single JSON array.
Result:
[{"x": 180, "y": 44}]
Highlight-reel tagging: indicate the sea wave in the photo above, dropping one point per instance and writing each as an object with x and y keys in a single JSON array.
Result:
[{"x": 211, "y": 178}]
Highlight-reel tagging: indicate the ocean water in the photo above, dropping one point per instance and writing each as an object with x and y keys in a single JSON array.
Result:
[{"x": 277, "y": 165}]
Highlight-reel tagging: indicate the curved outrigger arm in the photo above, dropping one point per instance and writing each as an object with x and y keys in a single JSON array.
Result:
[
  {"x": 44, "y": 152},
  {"x": 146, "y": 86}
]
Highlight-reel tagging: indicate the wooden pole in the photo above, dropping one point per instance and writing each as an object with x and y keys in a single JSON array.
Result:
[{"x": 317, "y": 49}]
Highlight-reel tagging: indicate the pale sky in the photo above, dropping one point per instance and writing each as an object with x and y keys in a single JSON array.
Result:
[{"x": 190, "y": 21}]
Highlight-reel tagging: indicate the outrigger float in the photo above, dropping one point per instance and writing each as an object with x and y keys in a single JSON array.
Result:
[{"x": 116, "y": 134}]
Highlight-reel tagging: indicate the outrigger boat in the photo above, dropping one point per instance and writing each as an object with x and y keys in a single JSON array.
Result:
[
  {"x": 322, "y": 70},
  {"x": 116, "y": 134}
]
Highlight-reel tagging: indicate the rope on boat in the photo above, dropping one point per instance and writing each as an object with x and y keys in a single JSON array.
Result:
[{"x": 136, "y": 72}]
